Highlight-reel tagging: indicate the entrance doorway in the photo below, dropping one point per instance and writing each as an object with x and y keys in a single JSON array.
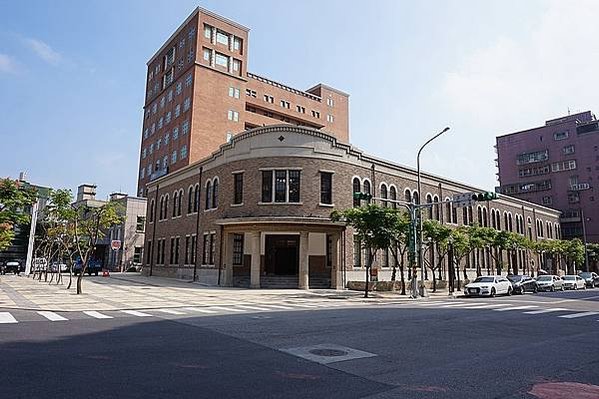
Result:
[{"x": 282, "y": 255}]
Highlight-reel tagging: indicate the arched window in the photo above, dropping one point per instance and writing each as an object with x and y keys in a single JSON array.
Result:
[
  {"x": 549, "y": 231},
  {"x": 208, "y": 194},
  {"x": 179, "y": 205},
  {"x": 498, "y": 217},
  {"x": 480, "y": 216},
  {"x": 166, "y": 199},
  {"x": 175, "y": 203},
  {"x": 384, "y": 194},
  {"x": 436, "y": 208},
  {"x": 407, "y": 195},
  {"x": 429, "y": 209},
  {"x": 215, "y": 193},
  {"x": 416, "y": 197},
  {"x": 448, "y": 211},
  {"x": 356, "y": 188},
  {"x": 464, "y": 216},
  {"x": 366, "y": 186},
  {"x": 393, "y": 196},
  {"x": 505, "y": 222},
  {"x": 485, "y": 218},
  {"x": 196, "y": 197},
  {"x": 152, "y": 210},
  {"x": 511, "y": 227},
  {"x": 190, "y": 200},
  {"x": 493, "y": 220}
]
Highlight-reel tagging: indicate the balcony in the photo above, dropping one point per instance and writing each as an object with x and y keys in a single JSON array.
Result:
[{"x": 579, "y": 187}]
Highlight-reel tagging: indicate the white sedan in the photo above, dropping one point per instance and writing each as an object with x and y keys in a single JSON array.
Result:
[
  {"x": 488, "y": 285},
  {"x": 572, "y": 282}
]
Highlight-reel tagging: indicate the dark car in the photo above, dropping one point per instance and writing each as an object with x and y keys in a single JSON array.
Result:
[
  {"x": 591, "y": 279},
  {"x": 521, "y": 283},
  {"x": 12, "y": 266},
  {"x": 93, "y": 266}
]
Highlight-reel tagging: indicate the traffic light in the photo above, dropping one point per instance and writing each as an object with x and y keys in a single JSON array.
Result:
[
  {"x": 362, "y": 196},
  {"x": 486, "y": 196}
]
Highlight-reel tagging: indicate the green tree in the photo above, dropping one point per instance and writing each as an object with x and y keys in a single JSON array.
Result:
[
  {"x": 574, "y": 253},
  {"x": 375, "y": 227},
  {"x": 439, "y": 237},
  {"x": 401, "y": 232},
  {"x": 460, "y": 243},
  {"x": 13, "y": 199}
]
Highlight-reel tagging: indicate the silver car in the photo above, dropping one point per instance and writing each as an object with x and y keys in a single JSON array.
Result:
[
  {"x": 550, "y": 282},
  {"x": 572, "y": 282}
]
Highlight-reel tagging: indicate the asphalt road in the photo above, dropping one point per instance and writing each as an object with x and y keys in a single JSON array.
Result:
[{"x": 414, "y": 350}]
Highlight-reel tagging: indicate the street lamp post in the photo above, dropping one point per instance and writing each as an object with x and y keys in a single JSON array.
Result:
[
  {"x": 420, "y": 262},
  {"x": 584, "y": 239}
]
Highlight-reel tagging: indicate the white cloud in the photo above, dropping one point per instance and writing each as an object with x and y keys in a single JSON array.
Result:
[
  {"x": 43, "y": 50},
  {"x": 518, "y": 80},
  {"x": 7, "y": 64}
]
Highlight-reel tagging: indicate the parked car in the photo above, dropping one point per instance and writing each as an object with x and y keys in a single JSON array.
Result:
[
  {"x": 55, "y": 267},
  {"x": 550, "y": 282},
  {"x": 522, "y": 283},
  {"x": 488, "y": 285},
  {"x": 93, "y": 266},
  {"x": 573, "y": 282},
  {"x": 12, "y": 266},
  {"x": 591, "y": 279}
]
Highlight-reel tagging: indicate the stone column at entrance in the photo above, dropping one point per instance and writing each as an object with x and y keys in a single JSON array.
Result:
[
  {"x": 228, "y": 269},
  {"x": 304, "y": 267},
  {"x": 255, "y": 265},
  {"x": 336, "y": 278}
]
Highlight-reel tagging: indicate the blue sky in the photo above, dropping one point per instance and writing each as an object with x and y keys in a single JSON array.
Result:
[{"x": 72, "y": 76}]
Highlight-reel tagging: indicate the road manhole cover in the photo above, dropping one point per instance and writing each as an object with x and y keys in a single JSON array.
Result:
[{"x": 328, "y": 352}]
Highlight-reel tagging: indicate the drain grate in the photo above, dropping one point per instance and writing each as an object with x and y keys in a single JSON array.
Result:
[{"x": 328, "y": 353}]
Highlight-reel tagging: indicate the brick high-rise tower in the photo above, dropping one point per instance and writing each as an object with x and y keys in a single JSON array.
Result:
[{"x": 199, "y": 94}]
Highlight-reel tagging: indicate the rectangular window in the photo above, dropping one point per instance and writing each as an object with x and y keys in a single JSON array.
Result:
[
  {"x": 185, "y": 127},
  {"x": 233, "y": 116},
  {"x": 140, "y": 225},
  {"x": 186, "y": 104},
  {"x": 315, "y": 114},
  {"x": 144, "y": 153},
  {"x": 269, "y": 99},
  {"x": 250, "y": 93},
  {"x": 178, "y": 88},
  {"x": 233, "y": 92},
  {"x": 330, "y": 118},
  {"x": 237, "y": 44},
  {"x": 238, "y": 249},
  {"x": 280, "y": 186},
  {"x": 267, "y": 185},
  {"x": 294, "y": 186},
  {"x": 142, "y": 173},
  {"x": 177, "y": 110},
  {"x": 569, "y": 149},
  {"x": 326, "y": 188},
  {"x": 174, "y": 157},
  {"x": 212, "y": 247},
  {"x": 184, "y": 152},
  {"x": 547, "y": 200},
  {"x": 285, "y": 104},
  {"x": 149, "y": 253},
  {"x": 175, "y": 133},
  {"x": 357, "y": 252},
  {"x": 221, "y": 60},
  {"x": 177, "y": 250},
  {"x": 236, "y": 65},
  {"x": 194, "y": 246},
  {"x": 187, "y": 249},
  {"x": 532, "y": 157},
  {"x": 207, "y": 55},
  {"x": 172, "y": 252},
  {"x": 565, "y": 165},
  {"x": 301, "y": 109},
  {"x": 560, "y": 135},
  {"x": 330, "y": 102},
  {"x": 167, "y": 118},
  {"x": 222, "y": 38},
  {"x": 188, "y": 80},
  {"x": 207, "y": 31},
  {"x": 238, "y": 188}
]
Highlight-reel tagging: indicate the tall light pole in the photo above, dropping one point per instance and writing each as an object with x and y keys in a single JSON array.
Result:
[
  {"x": 420, "y": 262},
  {"x": 584, "y": 239}
]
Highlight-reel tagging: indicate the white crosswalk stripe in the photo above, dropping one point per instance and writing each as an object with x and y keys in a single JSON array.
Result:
[
  {"x": 97, "y": 315},
  {"x": 457, "y": 305},
  {"x": 136, "y": 313},
  {"x": 278, "y": 307},
  {"x": 221, "y": 308},
  {"x": 52, "y": 316},
  {"x": 201, "y": 310},
  {"x": 436, "y": 303},
  {"x": 6, "y": 317},
  {"x": 253, "y": 308},
  {"x": 170, "y": 311},
  {"x": 577, "y": 315},
  {"x": 516, "y": 308},
  {"x": 546, "y": 311},
  {"x": 487, "y": 306}
]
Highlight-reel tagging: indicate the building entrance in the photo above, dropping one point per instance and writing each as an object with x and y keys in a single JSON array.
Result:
[{"x": 282, "y": 255}]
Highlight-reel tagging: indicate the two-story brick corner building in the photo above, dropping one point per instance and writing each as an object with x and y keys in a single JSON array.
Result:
[{"x": 256, "y": 212}]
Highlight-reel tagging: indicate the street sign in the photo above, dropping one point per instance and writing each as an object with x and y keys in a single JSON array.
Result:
[
  {"x": 115, "y": 245},
  {"x": 462, "y": 200}
]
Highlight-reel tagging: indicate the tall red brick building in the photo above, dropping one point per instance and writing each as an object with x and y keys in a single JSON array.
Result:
[{"x": 199, "y": 94}]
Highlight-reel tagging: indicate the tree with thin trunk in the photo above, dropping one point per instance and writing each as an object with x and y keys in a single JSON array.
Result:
[
  {"x": 14, "y": 198},
  {"x": 460, "y": 243},
  {"x": 438, "y": 234},
  {"x": 400, "y": 246},
  {"x": 375, "y": 227}
]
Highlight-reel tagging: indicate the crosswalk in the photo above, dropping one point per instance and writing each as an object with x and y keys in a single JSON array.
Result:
[{"x": 240, "y": 308}]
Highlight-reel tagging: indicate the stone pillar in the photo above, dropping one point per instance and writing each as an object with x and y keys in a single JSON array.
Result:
[
  {"x": 255, "y": 265},
  {"x": 304, "y": 266},
  {"x": 228, "y": 266},
  {"x": 336, "y": 277}
]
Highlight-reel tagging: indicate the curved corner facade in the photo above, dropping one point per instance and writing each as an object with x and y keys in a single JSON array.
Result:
[{"x": 256, "y": 212}]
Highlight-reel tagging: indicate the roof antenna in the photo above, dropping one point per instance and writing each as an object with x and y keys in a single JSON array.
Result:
[{"x": 568, "y": 111}]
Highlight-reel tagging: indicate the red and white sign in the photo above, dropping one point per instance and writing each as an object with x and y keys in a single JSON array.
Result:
[{"x": 115, "y": 245}]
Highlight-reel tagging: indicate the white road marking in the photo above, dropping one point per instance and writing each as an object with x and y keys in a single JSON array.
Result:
[
  {"x": 489, "y": 306},
  {"x": 576, "y": 315},
  {"x": 97, "y": 315},
  {"x": 136, "y": 313},
  {"x": 52, "y": 316},
  {"x": 458, "y": 305},
  {"x": 546, "y": 310},
  {"x": 227, "y": 309},
  {"x": 436, "y": 303},
  {"x": 516, "y": 308},
  {"x": 201, "y": 310},
  {"x": 6, "y": 317},
  {"x": 303, "y": 305},
  {"x": 254, "y": 308},
  {"x": 170, "y": 311},
  {"x": 278, "y": 306}
]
